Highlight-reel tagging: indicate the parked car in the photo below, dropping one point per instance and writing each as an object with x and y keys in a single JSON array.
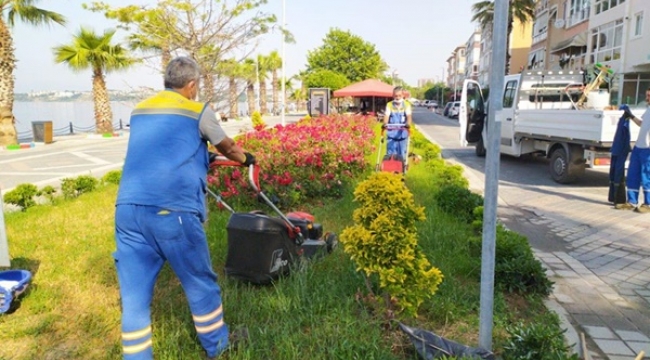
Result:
[
  {"x": 454, "y": 110},
  {"x": 445, "y": 111}
]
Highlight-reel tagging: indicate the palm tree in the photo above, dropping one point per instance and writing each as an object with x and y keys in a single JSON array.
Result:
[
  {"x": 232, "y": 70},
  {"x": 249, "y": 74},
  {"x": 27, "y": 12},
  {"x": 521, "y": 10},
  {"x": 263, "y": 73},
  {"x": 274, "y": 64},
  {"x": 89, "y": 50}
]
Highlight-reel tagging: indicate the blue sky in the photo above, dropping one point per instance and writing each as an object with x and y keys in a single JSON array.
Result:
[{"x": 415, "y": 37}]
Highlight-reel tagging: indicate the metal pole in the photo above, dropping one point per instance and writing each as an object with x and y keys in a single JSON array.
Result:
[
  {"x": 499, "y": 33},
  {"x": 4, "y": 246},
  {"x": 284, "y": 24}
]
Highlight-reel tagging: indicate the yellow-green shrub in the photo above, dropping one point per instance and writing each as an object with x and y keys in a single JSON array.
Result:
[
  {"x": 258, "y": 122},
  {"x": 383, "y": 243}
]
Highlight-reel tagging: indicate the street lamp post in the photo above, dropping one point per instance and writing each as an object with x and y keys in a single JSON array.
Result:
[
  {"x": 257, "y": 76},
  {"x": 284, "y": 24}
]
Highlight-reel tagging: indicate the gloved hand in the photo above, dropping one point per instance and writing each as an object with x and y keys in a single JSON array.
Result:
[
  {"x": 407, "y": 126},
  {"x": 383, "y": 126},
  {"x": 250, "y": 159},
  {"x": 628, "y": 114}
]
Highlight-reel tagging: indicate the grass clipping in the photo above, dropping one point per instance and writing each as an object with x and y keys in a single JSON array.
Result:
[{"x": 383, "y": 244}]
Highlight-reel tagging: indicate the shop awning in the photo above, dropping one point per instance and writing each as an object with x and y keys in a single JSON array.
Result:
[{"x": 579, "y": 40}]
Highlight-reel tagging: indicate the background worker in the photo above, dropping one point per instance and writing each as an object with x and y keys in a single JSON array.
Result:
[
  {"x": 620, "y": 150},
  {"x": 398, "y": 112},
  {"x": 161, "y": 208},
  {"x": 638, "y": 172}
]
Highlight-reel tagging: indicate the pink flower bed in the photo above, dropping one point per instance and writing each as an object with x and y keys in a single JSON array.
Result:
[{"x": 308, "y": 160}]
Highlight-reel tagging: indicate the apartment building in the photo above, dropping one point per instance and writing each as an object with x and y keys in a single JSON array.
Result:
[
  {"x": 519, "y": 48},
  {"x": 472, "y": 55},
  {"x": 620, "y": 39},
  {"x": 456, "y": 67}
]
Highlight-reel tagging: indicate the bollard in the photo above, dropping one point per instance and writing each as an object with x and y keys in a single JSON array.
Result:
[{"x": 71, "y": 128}]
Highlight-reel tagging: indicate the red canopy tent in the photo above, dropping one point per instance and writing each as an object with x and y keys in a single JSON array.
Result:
[
  {"x": 366, "y": 88},
  {"x": 370, "y": 88}
]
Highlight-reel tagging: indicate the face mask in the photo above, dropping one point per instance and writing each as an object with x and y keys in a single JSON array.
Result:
[{"x": 397, "y": 102}]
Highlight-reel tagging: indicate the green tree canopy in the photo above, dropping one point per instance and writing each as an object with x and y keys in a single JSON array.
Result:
[
  {"x": 324, "y": 78},
  {"x": 347, "y": 54}
]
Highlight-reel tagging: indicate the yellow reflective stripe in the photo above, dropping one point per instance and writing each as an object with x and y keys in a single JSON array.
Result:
[
  {"x": 137, "y": 348},
  {"x": 208, "y": 317},
  {"x": 165, "y": 99},
  {"x": 205, "y": 329},
  {"x": 136, "y": 334}
]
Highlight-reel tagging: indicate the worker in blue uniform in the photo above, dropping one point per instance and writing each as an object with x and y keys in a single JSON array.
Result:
[
  {"x": 638, "y": 172},
  {"x": 620, "y": 150},
  {"x": 161, "y": 208},
  {"x": 398, "y": 112}
]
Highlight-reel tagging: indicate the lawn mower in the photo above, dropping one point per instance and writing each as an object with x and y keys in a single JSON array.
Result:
[
  {"x": 261, "y": 248},
  {"x": 394, "y": 163}
]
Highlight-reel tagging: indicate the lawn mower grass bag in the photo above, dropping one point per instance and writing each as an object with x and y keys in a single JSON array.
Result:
[{"x": 260, "y": 247}]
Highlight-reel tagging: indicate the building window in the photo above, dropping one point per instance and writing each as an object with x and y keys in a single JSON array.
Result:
[
  {"x": 536, "y": 59},
  {"x": 604, "y": 5},
  {"x": 606, "y": 41},
  {"x": 638, "y": 24},
  {"x": 578, "y": 11}
]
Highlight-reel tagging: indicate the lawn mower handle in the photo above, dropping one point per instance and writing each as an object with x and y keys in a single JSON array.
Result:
[{"x": 254, "y": 180}]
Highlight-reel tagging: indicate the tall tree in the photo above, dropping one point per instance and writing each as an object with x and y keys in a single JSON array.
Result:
[
  {"x": 275, "y": 64},
  {"x": 263, "y": 69},
  {"x": 249, "y": 74},
  {"x": 326, "y": 79},
  {"x": 89, "y": 50},
  {"x": 347, "y": 54},
  {"x": 231, "y": 69},
  {"x": 521, "y": 10},
  {"x": 188, "y": 26},
  {"x": 26, "y": 11}
]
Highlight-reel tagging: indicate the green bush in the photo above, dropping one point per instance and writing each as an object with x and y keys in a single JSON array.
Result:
[
  {"x": 444, "y": 174},
  {"x": 73, "y": 187},
  {"x": 537, "y": 340},
  {"x": 383, "y": 243},
  {"x": 22, "y": 195},
  {"x": 47, "y": 191},
  {"x": 516, "y": 269},
  {"x": 459, "y": 201},
  {"x": 112, "y": 177},
  {"x": 258, "y": 122}
]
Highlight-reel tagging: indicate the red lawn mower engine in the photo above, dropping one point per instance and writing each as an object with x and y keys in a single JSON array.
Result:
[{"x": 315, "y": 244}]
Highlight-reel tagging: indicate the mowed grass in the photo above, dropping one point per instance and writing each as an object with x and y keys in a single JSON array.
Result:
[{"x": 72, "y": 309}]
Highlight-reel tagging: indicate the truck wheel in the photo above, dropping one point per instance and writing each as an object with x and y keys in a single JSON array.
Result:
[
  {"x": 480, "y": 148},
  {"x": 563, "y": 169}
]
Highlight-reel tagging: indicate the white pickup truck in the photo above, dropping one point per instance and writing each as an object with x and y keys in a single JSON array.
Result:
[{"x": 541, "y": 115}]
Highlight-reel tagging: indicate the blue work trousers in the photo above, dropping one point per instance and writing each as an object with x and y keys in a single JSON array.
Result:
[
  {"x": 147, "y": 236},
  {"x": 397, "y": 147},
  {"x": 638, "y": 176}
]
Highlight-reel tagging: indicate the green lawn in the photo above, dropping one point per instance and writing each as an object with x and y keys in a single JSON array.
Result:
[{"x": 72, "y": 308}]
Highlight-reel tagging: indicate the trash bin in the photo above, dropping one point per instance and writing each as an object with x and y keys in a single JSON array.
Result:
[{"x": 42, "y": 131}]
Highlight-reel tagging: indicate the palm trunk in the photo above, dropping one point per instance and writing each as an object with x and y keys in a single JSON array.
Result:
[
  {"x": 510, "y": 26},
  {"x": 263, "y": 104},
  {"x": 103, "y": 112},
  {"x": 250, "y": 96},
  {"x": 276, "y": 96},
  {"x": 234, "y": 106},
  {"x": 8, "y": 134}
]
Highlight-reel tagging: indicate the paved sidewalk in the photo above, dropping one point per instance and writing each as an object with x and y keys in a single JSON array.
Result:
[{"x": 598, "y": 257}]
